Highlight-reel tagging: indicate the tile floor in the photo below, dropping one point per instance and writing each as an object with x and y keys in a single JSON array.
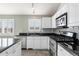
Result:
[{"x": 35, "y": 53}]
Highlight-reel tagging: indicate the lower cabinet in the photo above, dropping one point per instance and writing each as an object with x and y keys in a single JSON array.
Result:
[
  {"x": 44, "y": 42},
  {"x": 62, "y": 51},
  {"x": 14, "y": 50},
  {"x": 37, "y": 42},
  {"x": 29, "y": 42}
]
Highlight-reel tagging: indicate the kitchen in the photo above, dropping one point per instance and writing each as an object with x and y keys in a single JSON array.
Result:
[{"x": 30, "y": 29}]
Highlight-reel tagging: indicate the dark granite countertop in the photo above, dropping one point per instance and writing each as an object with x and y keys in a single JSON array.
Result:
[
  {"x": 61, "y": 38},
  {"x": 35, "y": 34},
  {"x": 6, "y": 43},
  {"x": 58, "y": 37},
  {"x": 73, "y": 52}
]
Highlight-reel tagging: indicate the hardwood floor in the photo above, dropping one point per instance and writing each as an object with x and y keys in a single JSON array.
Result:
[{"x": 35, "y": 53}]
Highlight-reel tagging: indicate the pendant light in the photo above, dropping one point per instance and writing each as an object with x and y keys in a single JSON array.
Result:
[{"x": 33, "y": 9}]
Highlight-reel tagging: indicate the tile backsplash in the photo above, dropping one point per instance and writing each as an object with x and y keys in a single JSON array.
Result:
[
  {"x": 72, "y": 29},
  {"x": 47, "y": 30}
]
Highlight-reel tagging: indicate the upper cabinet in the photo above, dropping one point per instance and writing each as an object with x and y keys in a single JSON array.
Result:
[
  {"x": 62, "y": 9},
  {"x": 46, "y": 22},
  {"x": 73, "y": 14},
  {"x": 72, "y": 10},
  {"x": 53, "y": 22}
]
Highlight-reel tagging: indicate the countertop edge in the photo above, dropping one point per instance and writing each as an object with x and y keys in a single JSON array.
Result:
[{"x": 9, "y": 46}]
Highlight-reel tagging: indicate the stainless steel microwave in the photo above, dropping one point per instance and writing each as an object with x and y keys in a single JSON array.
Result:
[{"x": 61, "y": 21}]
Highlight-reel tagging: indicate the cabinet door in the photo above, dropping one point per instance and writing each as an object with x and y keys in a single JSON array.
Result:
[
  {"x": 44, "y": 42},
  {"x": 36, "y": 42},
  {"x": 30, "y": 42},
  {"x": 63, "y": 52},
  {"x": 54, "y": 21},
  {"x": 46, "y": 22},
  {"x": 73, "y": 13}
]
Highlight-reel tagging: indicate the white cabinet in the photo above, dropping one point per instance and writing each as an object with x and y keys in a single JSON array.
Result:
[
  {"x": 72, "y": 10},
  {"x": 62, "y": 51},
  {"x": 73, "y": 14},
  {"x": 63, "y": 9},
  {"x": 44, "y": 42},
  {"x": 54, "y": 21},
  {"x": 30, "y": 42},
  {"x": 46, "y": 22},
  {"x": 33, "y": 42},
  {"x": 38, "y": 42},
  {"x": 14, "y": 50}
]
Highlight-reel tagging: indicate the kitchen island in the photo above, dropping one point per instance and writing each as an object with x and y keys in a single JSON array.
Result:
[{"x": 10, "y": 47}]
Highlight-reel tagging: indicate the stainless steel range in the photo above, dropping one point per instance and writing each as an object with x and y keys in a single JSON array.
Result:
[{"x": 67, "y": 38}]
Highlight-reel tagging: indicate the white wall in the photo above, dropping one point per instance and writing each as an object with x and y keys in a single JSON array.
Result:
[
  {"x": 71, "y": 28},
  {"x": 62, "y": 9},
  {"x": 21, "y": 22}
]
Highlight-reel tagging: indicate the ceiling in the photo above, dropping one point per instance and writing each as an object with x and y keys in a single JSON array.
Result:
[{"x": 26, "y": 8}]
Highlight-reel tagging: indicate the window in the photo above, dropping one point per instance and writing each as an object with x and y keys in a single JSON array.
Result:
[
  {"x": 34, "y": 25},
  {"x": 4, "y": 42},
  {"x": 6, "y": 26},
  {"x": 7, "y": 41},
  {"x": 10, "y": 41}
]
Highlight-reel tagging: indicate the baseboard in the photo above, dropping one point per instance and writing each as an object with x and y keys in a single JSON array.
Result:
[
  {"x": 24, "y": 48},
  {"x": 39, "y": 49},
  {"x": 34, "y": 49},
  {"x": 30, "y": 49}
]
